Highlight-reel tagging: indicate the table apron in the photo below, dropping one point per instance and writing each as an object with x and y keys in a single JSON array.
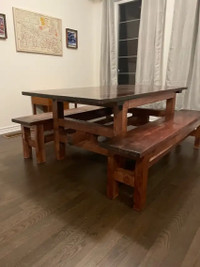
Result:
[{"x": 150, "y": 99}]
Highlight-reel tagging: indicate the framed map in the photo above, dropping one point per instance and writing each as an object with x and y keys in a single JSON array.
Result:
[{"x": 37, "y": 33}]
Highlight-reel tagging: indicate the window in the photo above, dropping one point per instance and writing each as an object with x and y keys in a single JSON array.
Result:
[{"x": 129, "y": 23}]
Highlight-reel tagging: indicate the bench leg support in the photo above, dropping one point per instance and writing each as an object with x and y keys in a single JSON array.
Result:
[
  {"x": 39, "y": 144},
  {"x": 26, "y": 136},
  {"x": 140, "y": 183},
  {"x": 112, "y": 184}
]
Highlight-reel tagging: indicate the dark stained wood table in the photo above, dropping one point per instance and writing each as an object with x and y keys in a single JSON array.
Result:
[{"x": 117, "y": 100}]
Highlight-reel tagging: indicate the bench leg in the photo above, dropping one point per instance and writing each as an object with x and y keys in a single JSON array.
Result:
[
  {"x": 34, "y": 108},
  {"x": 39, "y": 143},
  {"x": 112, "y": 185},
  {"x": 26, "y": 136},
  {"x": 197, "y": 138},
  {"x": 140, "y": 183},
  {"x": 197, "y": 142}
]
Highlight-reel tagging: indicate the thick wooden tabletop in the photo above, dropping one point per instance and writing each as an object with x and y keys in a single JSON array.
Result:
[{"x": 102, "y": 95}]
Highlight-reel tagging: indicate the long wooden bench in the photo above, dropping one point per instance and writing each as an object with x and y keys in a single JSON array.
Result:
[
  {"x": 37, "y": 129},
  {"x": 146, "y": 145}
]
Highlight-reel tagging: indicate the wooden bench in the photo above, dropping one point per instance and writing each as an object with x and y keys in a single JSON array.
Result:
[
  {"x": 146, "y": 145},
  {"x": 38, "y": 129},
  {"x": 45, "y": 103}
]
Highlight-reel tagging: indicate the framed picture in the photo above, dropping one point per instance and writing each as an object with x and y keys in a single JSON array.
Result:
[
  {"x": 3, "y": 31},
  {"x": 37, "y": 33},
  {"x": 72, "y": 38}
]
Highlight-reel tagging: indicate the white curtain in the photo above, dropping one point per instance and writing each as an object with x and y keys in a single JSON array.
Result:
[
  {"x": 192, "y": 96},
  {"x": 108, "y": 67},
  {"x": 150, "y": 44},
  {"x": 184, "y": 59}
]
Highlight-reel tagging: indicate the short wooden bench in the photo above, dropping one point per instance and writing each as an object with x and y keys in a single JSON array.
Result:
[
  {"x": 146, "y": 145},
  {"x": 45, "y": 103},
  {"x": 38, "y": 129}
]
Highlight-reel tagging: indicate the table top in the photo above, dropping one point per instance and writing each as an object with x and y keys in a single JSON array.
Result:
[{"x": 102, "y": 95}]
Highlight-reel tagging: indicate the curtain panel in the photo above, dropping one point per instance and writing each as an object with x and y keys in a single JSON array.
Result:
[
  {"x": 183, "y": 63},
  {"x": 150, "y": 45},
  {"x": 108, "y": 65},
  {"x": 192, "y": 96}
]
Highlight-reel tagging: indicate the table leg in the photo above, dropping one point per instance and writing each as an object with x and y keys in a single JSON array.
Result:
[
  {"x": 58, "y": 113},
  {"x": 170, "y": 107},
  {"x": 120, "y": 119}
]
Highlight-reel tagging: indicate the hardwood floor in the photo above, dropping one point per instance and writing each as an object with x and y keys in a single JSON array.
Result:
[{"x": 57, "y": 214}]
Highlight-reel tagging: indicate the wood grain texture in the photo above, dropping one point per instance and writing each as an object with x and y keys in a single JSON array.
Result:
[
  {"x": 106, "y": 95},
  {"x": 140, "y": 183},
  {"x": 45, "y": 118},
  {"x": 57, "y": 214},
  {"x": 45, "y": 103},
  {"x": 84, "y": 126},
  {"x": 27, "y": 149},
  {"x": 146, "y": 138},
  {"x": 124, "y": 176},
  {"x": 92, "y": 144},
  {"x": 147, "y": 145},
  {"x": 58, "y": 114},
  {"x": 112, "y": 185},
  {"x": 120, "y": 119},
  {"x": 150, "y": 98},
  {"x": 41, "y": 124},
  {"x": 39, "y": 143},
  {"x": 170, "y": 107}
]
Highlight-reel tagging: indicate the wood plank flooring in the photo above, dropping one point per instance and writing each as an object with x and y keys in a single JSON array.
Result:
[{"x": 57, "y": 214}]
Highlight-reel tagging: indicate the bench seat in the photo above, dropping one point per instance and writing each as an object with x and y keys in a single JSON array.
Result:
[
  {"x": 146, "y": 145},
  {"x": 48, "y": 116},
  {"x": 38, "y": 129}
]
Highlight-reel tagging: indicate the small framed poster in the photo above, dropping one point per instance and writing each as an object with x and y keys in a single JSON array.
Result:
[
  {"x": 72, "y": 38},
  {"x": 3, "y": 31}
]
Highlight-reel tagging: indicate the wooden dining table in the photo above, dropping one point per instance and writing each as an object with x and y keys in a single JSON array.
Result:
[{"x": 116, "y": 102}]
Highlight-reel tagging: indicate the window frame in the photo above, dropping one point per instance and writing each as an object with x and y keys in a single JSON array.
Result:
[{"x": 117, "y": 4}]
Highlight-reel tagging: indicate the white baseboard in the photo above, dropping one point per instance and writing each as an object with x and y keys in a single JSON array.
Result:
[{"x": 9, "y": 129}]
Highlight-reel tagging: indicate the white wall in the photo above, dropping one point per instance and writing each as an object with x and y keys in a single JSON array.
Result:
[
  {"x": 24, "y": 71},
  {"x": 97, "y": 39}
]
